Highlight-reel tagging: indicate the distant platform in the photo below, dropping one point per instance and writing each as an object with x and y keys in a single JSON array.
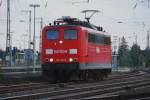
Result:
[
  {"x": 21, "y": 70},
  {"x": 125, "y": 69}
]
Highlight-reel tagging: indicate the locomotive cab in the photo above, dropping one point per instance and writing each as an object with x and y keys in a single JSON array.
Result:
[{"x": 60, "y": 50}]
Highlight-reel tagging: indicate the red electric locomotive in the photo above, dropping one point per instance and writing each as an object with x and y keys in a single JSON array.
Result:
[{"x": 73, "y": 47}]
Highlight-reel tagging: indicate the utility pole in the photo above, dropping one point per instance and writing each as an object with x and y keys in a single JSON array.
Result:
[
  {"x": 0, "y": 3},
  {"x": 135, "y": 38},
  {"x": 148, "y": 39},
  {"x": 29, "y": 40},
  {"x": 8, "y": 37},
  {"x": 34, "y": 51},
  {"x": 115, "y": 44},
  {"x": 40, "y": 44},
  {"x": 115, "y": 54},
  {"x": 148, "y": 2}
]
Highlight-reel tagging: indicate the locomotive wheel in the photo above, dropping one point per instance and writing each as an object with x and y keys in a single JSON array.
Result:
[
  {"x": 66, "y": 75},
  {"x": 61, "y": 76},
  {"x": 80, "y": 75},
  {"x": 101, "y": 75},
  {"x": 95, "y": 76},
  {"x": 84, "y": 75}
]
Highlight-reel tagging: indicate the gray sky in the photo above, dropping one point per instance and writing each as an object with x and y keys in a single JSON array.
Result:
[{"x": 134, "y": 21}]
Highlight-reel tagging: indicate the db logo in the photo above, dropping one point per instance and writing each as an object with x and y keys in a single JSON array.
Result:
[{"x": 97, "y": 50}]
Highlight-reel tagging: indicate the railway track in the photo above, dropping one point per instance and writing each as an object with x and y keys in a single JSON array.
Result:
[
  {"x": 32, "y": 86},
  {"x": 78, "y": 91}
]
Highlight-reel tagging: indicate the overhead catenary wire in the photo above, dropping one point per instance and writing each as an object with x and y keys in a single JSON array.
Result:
[
  {"x": 0, "y": 3},
  {"x": 77, "y": 2},
  {"x": 135, "y": 3}
]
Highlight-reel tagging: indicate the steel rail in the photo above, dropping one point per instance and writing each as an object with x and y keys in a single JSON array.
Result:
[
  {"x": 74, "y": 90},
  {"x": 31, "y": 86},
  {"x": 47, "y": 87},
  {"x": 137, "y": 92},
  {"x": 98, "y": 90}
]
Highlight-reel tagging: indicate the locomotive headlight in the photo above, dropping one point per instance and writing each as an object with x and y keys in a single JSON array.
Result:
[
  {"x": 70, "y": 59},
  {"x": 72, "y": 51},
  {"x": 60, "y": 41},
  {"x": 49, "y": 51},
  {"x": 51, "y": 59}
]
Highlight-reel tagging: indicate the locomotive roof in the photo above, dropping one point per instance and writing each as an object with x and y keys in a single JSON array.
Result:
[{"x": 65, "y": 21}]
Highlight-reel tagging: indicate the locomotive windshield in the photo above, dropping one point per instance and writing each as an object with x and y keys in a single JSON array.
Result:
[
  {"x": 52, "y": 34},
  {"x": 70, "y": 34}
]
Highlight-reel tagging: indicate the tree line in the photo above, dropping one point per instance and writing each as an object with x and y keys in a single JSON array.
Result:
[{"x": 134, "y": 56}]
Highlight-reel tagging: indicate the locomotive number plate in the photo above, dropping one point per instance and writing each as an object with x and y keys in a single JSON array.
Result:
[{"x": 60, "y": 51}]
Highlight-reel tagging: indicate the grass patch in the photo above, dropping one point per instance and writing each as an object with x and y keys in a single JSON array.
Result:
[
  {"x": 1, "y": 78},
  {"x": 116, "y": 73}
]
